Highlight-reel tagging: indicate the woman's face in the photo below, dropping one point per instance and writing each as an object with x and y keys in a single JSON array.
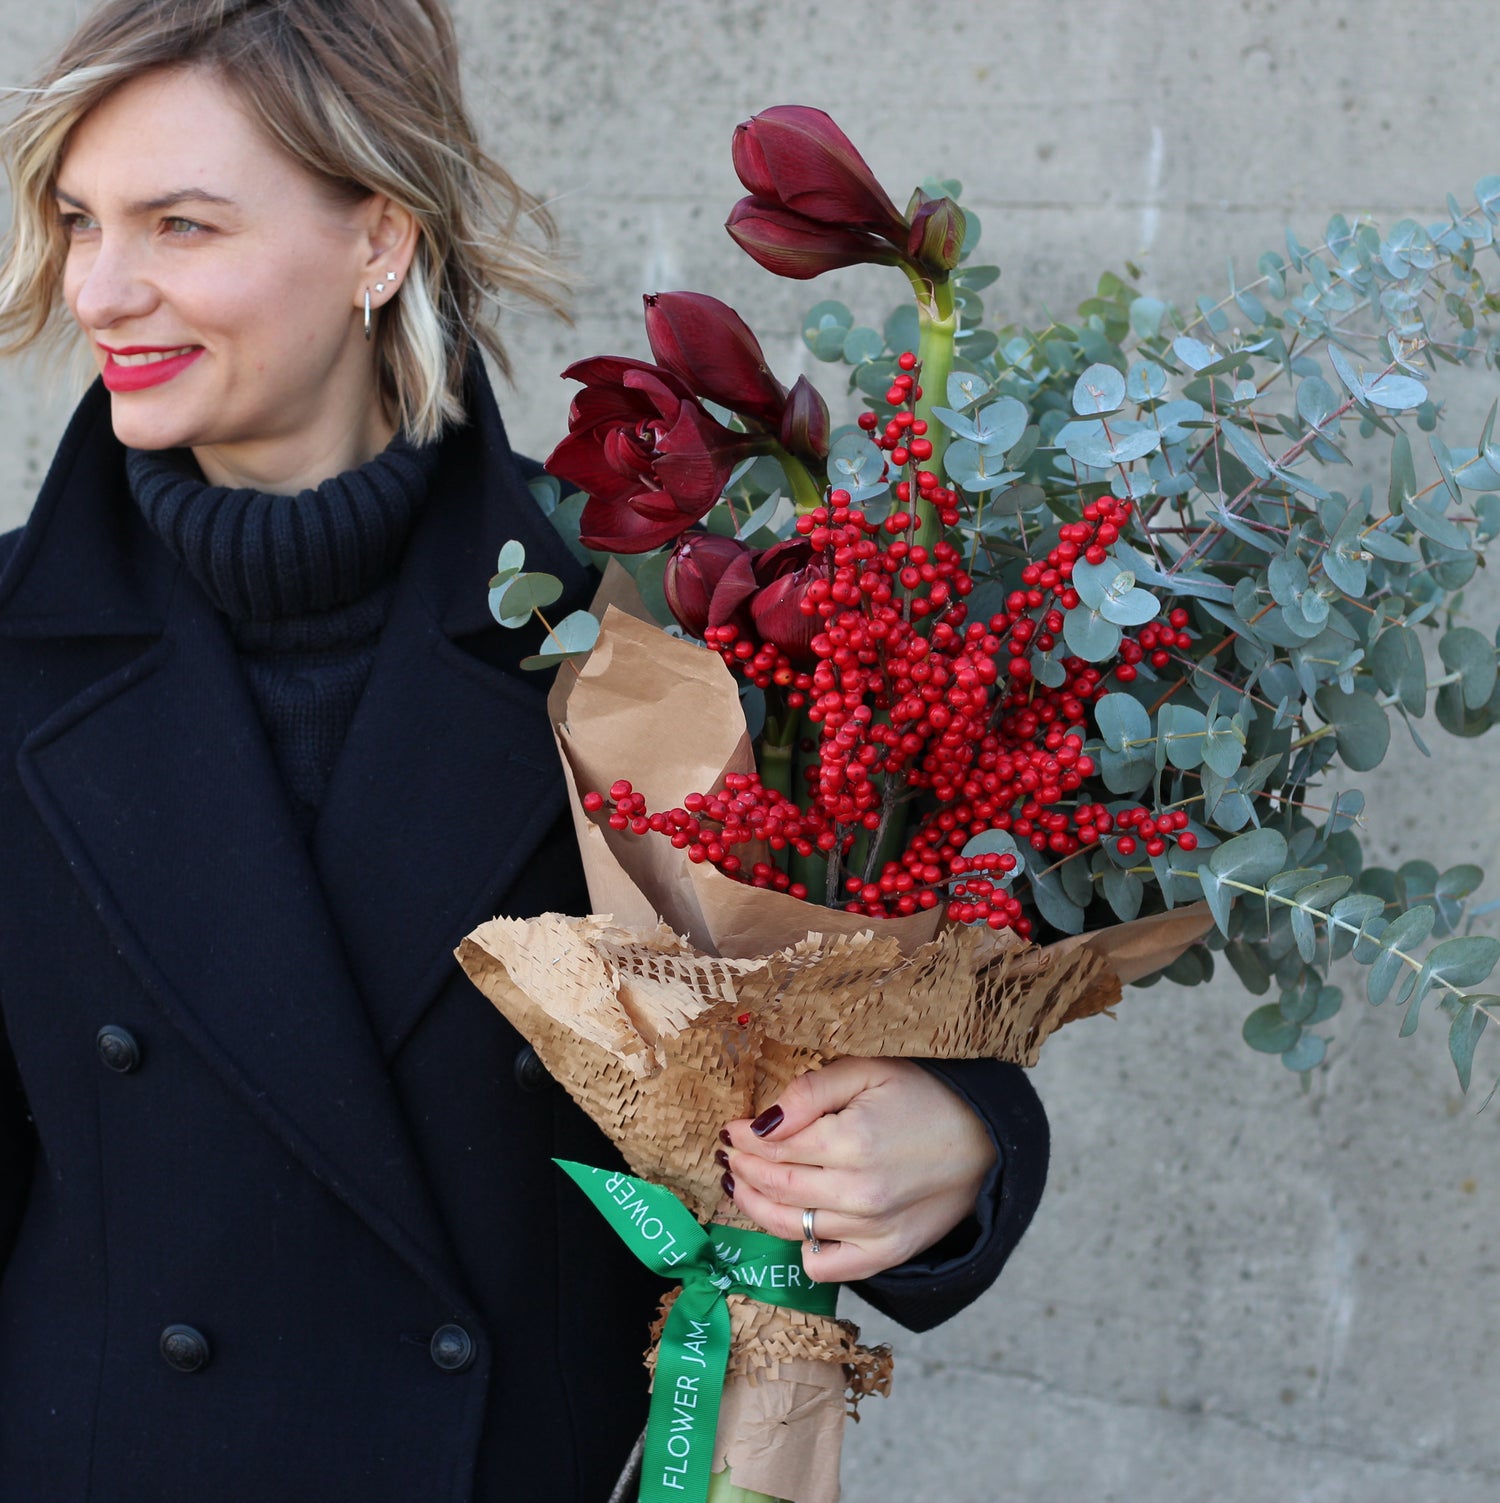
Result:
[{"x": 221, "y": 287}]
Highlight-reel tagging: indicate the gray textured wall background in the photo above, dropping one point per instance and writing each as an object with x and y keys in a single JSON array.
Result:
[{"x": 1237, "y": 1288}]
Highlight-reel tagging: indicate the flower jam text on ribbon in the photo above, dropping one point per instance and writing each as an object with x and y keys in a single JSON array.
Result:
[{"x": 694, "y": 1349}]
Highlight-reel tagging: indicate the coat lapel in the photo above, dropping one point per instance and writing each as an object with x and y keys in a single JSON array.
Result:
[
  {"x": 159, "y": 786},
  {"x": 448, "y": 780}
]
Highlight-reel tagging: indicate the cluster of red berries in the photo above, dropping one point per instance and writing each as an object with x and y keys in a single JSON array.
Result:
[
  {"x": 904, "y": 439},
  {"x": 1153, "y": 643},
  {"x": 709, "y": 825},
  {"x": 917, "y": 708},
  {"x": 760, "y": 663}
]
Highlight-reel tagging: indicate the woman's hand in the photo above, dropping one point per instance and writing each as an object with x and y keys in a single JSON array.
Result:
[{"x": 886, "y": 1154}]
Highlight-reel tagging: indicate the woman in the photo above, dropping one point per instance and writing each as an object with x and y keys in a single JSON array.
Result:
[{"x": 276, "y": 1212}]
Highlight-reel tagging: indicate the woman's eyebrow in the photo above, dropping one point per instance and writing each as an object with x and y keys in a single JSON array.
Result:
[{"x": 155, "y": 205}]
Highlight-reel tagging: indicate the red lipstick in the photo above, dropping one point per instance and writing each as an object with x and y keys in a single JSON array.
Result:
[{"x": 119, "y": 377}]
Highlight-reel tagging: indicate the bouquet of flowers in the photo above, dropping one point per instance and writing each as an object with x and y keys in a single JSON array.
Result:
[{"x": 1029, "y": 676}]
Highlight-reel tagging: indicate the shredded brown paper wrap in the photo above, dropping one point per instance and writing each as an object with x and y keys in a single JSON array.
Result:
[{"x": 688, "y": 1000}]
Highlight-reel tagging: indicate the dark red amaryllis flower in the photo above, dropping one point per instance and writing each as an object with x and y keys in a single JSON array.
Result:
[
  {"x": 795, "y": 156},
  {"x": 791, "y": 245},
  {"x": 937, "y": 234},
  {"x": 648, "y": 456},
  {"x": 784, "y": 573},
  {"x": 805, "y": 423},
  {"x": 706, "y": 344},
  {"x": 695, "y": 570}
]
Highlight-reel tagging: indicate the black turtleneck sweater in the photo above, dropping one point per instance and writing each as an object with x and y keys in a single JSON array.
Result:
[{"x": 305, "y": 583}]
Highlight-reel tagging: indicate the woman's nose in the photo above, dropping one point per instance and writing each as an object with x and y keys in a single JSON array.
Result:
[{"x": 109, "y": 285}]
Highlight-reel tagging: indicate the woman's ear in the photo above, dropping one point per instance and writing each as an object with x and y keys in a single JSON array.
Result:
[{"x": 392, "y": 233}]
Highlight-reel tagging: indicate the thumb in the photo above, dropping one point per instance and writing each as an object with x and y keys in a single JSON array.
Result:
[{"x": 819, "y": 1093}]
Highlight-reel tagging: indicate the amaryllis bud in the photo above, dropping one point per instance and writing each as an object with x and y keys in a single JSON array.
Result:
[
  {"x": 694, "y": 569},
  {"x": 795, "y": 156},
  {"x": 805, "y": 424},
  {"x": 785, "y": 572},
  {"x": 792, "y": 245},
  {"x": 937, "y": 234},
  {"x": 710, "y": 347},
  {"x": 649, "y": 457}
]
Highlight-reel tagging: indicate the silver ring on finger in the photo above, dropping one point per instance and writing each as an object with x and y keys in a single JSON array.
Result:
[{"x": 808, "y": 1234}]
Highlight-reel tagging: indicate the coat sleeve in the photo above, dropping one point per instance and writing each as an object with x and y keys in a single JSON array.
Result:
[
  {"x": 17, "y": 1149},
  {"x": 933, "y": 1288}
]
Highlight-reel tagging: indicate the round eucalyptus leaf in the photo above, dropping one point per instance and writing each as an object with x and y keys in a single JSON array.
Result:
[
  {"x": 1100, "y": 389},
  {"x": 1123, "y": 891},
  {"x": 1146, "y": 382},
  {"x": 1270, "y": 1033},
  {"x": 514, "y": 602},
  {"x": 976, "y": 469},
  {"x": 862, "y": 344},
  {"x": 1122, "y": 721},
  {"x": 1092, "y": 581},
  {"x": 1360, "y": 726},
  {"x": 1397, "y": 663},
  {"x": 1224, "y": 746},
  {"x": 1193, "y": 353},
  {"x": 1306, "y": 1054},
  {"x": 1090, "y": 636},
  {"x": 1146, "y": 314},
  {"x": 1054, "y": 906},
  {"x": 903, "y": 329},
  {"x": 573, "y": 637},
  {"x": 512, "y": 559},
  {"x": 965, "y": 388},
  {"x": 1000, "y": 425},
  {"x": 1127, "y": 605},
  {"x": 1396, "y": 392},
  {"x": 1180, "y": 732},
  {"x": 1470, "y": 654}
]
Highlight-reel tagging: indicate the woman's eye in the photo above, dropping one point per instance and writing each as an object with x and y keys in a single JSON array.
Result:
[
  {"x": 176, "y": 226},
  {"x": 73, "y": 224}
]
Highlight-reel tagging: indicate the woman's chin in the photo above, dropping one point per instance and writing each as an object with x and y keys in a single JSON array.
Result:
[{"x": 138, "y": 430}]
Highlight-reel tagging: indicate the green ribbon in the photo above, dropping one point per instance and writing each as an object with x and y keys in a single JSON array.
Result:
[{"x": 710, "y": 1261}]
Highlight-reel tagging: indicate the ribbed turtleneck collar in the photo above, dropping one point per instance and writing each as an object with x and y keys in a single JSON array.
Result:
[{"x": 264, "y": 558}]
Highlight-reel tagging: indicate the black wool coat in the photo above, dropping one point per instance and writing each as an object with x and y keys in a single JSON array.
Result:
[{"x": 277, "y": 1217}]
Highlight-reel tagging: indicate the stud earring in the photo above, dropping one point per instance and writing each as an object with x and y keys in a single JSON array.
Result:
[{"x": 387, "y": 279}]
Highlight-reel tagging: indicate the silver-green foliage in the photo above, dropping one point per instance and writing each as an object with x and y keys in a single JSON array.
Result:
[{"x": 1323, "y": 611}]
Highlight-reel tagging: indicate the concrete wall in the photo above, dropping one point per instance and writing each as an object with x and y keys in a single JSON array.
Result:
[{"x": 1237, "y": 1287}]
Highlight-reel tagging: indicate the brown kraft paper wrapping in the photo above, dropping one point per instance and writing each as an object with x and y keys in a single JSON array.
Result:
[{"x": 688, "y": 1000}]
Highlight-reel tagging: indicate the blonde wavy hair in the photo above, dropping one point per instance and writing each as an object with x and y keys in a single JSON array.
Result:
[{"x": 365, "y": 95}]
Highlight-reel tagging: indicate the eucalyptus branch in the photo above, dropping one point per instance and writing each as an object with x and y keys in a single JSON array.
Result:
[{"x": 1318, "y": 915}]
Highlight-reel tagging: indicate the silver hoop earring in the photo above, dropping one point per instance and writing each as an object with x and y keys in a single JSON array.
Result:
[{"x": 367, "y": 313}]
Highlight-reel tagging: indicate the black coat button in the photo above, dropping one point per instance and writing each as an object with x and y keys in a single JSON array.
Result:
[
  {"x": 452, "y": 1348},
  {"x": 117, "y": 1048},
  {"x": 184, "y": 1348},
  {"x": 531, "y": 1073}
]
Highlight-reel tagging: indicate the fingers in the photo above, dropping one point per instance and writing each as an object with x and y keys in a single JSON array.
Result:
[
  {"x": 849, "y": 1247},
  {"x": 890, "y": 1158},
  {"x": 804, "y": 1125}
]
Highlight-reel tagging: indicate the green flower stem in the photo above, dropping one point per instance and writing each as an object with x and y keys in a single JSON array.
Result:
[
  {"x": 806, "y": 488},
  {"x": 939, "y": 326},
  {"x": 721, "y": 1489},
  {"x": 776, "y": 749}
]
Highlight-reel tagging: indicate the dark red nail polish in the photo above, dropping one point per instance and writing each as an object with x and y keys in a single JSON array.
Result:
[
  {"x": 724, "y": 1137},
  {"x": 728, "y": 1184},
  {"x": 768, "y": 1121},
  {"x": 721, "y": 1158}
]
